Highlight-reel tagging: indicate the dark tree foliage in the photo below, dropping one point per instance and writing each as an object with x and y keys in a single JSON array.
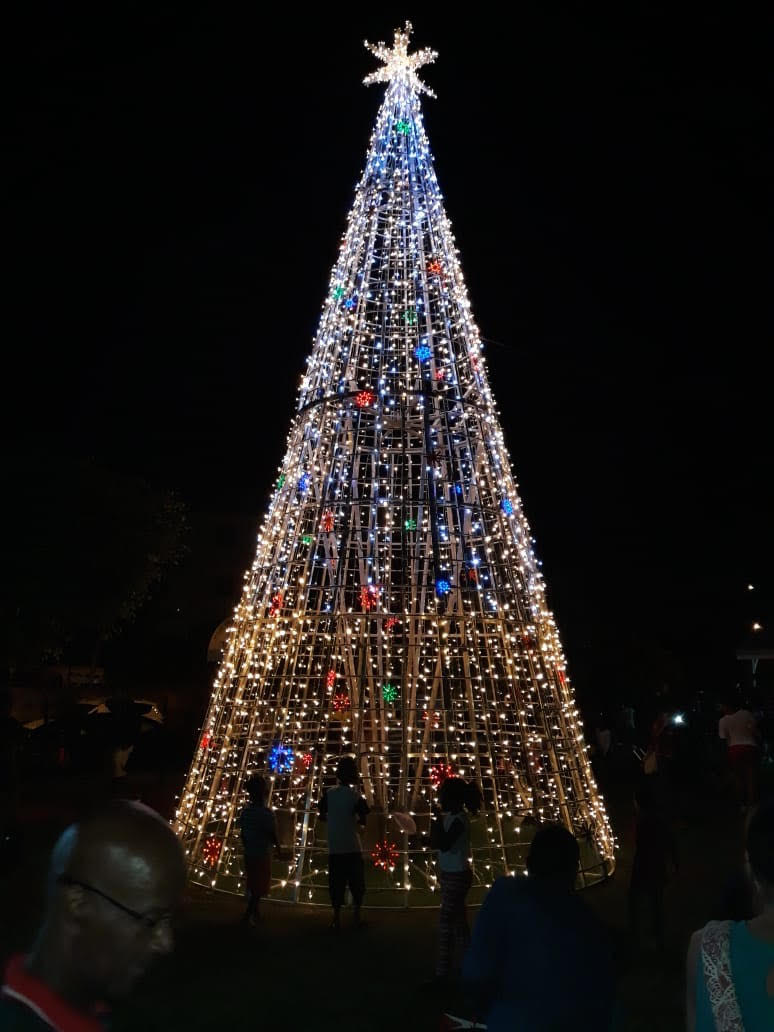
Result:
[{"x": 82, "y": 550}]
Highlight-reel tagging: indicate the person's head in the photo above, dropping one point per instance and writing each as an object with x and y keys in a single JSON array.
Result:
[
  {"x": 452, "y": 795},
  {"x": 346, "y": 770},
  {"x": 255, "y": 787},
  {"x": 456, "y": 793},
  {"x": 760, "y": 849},
  {"x": 114, "y": 879},
  {"x": 554, "y": 856}
]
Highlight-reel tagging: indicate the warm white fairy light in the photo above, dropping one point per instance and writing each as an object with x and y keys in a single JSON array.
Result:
[{"x": 395, "y": 608}]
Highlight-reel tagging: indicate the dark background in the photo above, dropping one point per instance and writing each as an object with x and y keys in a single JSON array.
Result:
[{"x": 181, "y": 176}]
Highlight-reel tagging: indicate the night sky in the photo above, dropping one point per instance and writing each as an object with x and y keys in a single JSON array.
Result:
[{"x": 180, "y": 183}]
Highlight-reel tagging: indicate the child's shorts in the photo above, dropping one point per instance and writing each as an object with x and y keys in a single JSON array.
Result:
[{"x": 258, "y": 872}]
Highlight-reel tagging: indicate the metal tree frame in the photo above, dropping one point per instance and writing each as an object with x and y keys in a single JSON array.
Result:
[{"x": 395, "y": 610}]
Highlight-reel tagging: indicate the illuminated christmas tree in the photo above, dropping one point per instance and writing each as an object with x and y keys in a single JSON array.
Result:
[{"x": 395, "y": 609}]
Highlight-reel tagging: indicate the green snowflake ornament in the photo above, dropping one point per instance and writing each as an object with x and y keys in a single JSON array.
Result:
[{"x": 389, "y": 692}]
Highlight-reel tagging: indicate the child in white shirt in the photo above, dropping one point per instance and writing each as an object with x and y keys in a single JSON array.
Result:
[
  {"x": 450, "y": 835},
  {"x": 344, "y": 809}
]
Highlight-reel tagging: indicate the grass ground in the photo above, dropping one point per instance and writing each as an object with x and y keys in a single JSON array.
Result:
[{"x": 294, "y": 973}]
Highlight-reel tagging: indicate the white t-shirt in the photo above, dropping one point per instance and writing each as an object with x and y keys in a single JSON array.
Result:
[
  {"x": 341, "y": 808},
  {"x": 456, "y": 858},
  {"x": 738, "y": 728}
]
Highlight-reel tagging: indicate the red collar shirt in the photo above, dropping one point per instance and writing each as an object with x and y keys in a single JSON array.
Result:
[{"x": 27, "y": 1004}]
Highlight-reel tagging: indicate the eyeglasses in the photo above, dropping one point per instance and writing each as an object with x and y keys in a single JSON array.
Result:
[{"x": 148, "y": 921}]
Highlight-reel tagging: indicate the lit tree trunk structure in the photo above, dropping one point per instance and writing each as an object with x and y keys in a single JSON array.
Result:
[{"x": 395, "y": 610}]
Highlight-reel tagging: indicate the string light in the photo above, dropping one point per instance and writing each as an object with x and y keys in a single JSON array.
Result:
[{"x": 420, "y": 654}]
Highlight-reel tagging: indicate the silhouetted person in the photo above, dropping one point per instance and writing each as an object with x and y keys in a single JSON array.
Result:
[
  {"x": 539, "y": 960},
  {"x": 259, "y": 837},
  {"x": 344, "y": 809},
  {"x": 658, "y": 756},
  {"x": 450, "y": 835},
  {"x": 626, "y": 724},
  {"x": 655, "y": 854},
  {"x": 730, "y": 965},
  {"x": 11, "y": 740},
  {"x": 603, "y": 743},
  {"x": 113, "y": 882},
  {"x": 739, "y": 729}
]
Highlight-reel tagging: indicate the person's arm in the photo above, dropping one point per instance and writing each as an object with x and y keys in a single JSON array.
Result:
[
  {"x": 691, "y": 963},
  {"x": 722, "y": 729},
  {"x": 361, "y": 811}
]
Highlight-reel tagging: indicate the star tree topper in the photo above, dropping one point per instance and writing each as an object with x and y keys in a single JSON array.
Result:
[{"x": 399, "y": 65}]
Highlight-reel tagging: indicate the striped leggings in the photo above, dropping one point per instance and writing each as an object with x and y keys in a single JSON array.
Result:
[{"x": 453, "y": 924}]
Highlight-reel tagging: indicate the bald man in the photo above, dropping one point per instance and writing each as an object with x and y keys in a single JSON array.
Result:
[{"x": 114, "y": 880}]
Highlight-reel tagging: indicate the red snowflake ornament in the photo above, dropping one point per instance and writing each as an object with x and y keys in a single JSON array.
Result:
[
  {"x": 365, "y": 398},
  {"x": 440, "y": 773},
  {"x": 211, "y": 850},
  {"x": 385, "y": 855}
]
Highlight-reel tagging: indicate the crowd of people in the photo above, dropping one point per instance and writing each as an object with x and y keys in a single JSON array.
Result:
[{"x": 537, "y": 957}]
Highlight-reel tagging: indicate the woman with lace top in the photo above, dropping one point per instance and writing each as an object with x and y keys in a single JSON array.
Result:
[{"x": 730, "y": 966}]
